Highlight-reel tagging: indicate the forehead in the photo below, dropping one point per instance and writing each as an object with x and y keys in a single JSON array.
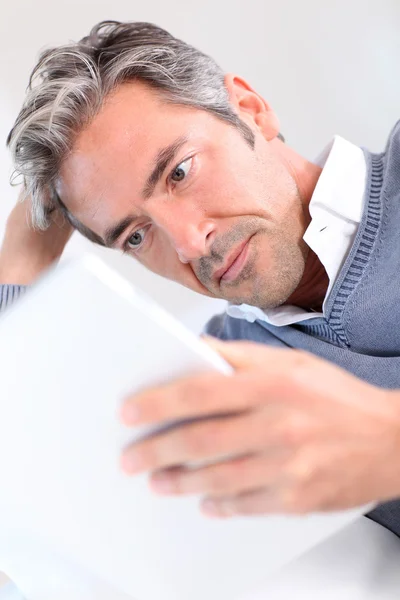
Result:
[{"x": 112, "y": 156}]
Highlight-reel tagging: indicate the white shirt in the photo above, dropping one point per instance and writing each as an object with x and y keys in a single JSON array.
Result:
[{"x": 336, "y": 208}]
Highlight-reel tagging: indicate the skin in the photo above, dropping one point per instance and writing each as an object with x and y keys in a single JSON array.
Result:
[
  {"x": 302, "y": 436},
  {"x": 305, "y": 435},
  {"x": 25, "y": 253},
  {"x": 229, "y": 194}
]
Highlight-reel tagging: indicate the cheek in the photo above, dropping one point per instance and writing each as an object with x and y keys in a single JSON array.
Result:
[
  {"x": 160, "y": 257},
  {"x": 243, "y": 190},
  {"x": 225, "y": 197},
  {"x": 163, "y": 260}
]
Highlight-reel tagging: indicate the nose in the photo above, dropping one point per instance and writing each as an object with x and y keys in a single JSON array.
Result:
[
  {"x": 189, "y": 233},
  {"x": 192, "y": 242},
  {"x": 195, "y": 241}
]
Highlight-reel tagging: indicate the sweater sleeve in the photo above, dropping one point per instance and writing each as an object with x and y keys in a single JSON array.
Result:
[{"x": 9, "y": 294}]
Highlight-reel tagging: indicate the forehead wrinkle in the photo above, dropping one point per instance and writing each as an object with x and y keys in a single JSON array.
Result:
[{"x": 97, "y": 206}]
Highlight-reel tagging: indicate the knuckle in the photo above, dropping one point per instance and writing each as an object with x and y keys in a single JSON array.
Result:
[
  {"x": 306, "y": 488},
  {"x": 300, "y": 366},
  {"x": 306, "y": 485},
  {"x": 291, "y": 436},
  {"x": 218, "y": 480},
  {"x": 296, "y": 431},
  {"x": 303, "y": 472},
  {"x": 228, "y": 478}
]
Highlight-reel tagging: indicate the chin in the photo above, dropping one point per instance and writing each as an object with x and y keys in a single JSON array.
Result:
[{"x": 257, "y": 297}]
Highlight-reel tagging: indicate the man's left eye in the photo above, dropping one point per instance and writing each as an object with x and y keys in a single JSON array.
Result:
[{"x": 181, "y": 171}]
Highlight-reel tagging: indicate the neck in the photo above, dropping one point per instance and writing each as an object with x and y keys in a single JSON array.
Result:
[
  {"x": 304, "y": 173},
  {"x": 311, "y": 291}
]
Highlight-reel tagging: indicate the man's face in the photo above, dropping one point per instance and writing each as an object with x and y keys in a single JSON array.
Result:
[{"x": 185, "y": 194}]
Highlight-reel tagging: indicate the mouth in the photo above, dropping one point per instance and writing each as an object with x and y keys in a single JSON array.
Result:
[{"x": 235, "y": 263}]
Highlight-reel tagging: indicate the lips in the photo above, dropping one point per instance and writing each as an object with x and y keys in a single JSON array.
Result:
[{"x": 235, "y": 257}]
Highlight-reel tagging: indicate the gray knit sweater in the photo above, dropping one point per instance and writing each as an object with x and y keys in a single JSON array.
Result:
[{"x": 361, "y": 330}]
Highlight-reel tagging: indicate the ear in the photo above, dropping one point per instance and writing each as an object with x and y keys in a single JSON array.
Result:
[{"x": 250, "y": 106}]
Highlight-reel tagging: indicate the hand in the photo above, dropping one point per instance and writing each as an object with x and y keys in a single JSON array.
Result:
[
  {"x": 303, "y": 435},
  {"x": 26, "y": 252}
]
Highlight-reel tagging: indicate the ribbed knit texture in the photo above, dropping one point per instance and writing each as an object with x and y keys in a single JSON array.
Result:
[
  {"x": 9, "y": 293},
  {"x": 360, "y": 331}
]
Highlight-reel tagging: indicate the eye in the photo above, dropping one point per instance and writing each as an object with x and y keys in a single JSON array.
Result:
[
  {"x": 136, "y": 240},
  {"x": 181, "y": 171}
]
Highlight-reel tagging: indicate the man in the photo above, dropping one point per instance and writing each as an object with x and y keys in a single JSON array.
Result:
[{"x": 146, "y": 146}]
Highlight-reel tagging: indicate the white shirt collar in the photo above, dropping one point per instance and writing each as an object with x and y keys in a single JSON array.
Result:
[{"x": 336, "y": 209}]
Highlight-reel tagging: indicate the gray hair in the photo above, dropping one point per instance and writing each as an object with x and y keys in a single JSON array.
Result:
[{"x": 68, "y": 87}]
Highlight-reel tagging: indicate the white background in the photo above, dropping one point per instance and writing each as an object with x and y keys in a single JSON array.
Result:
[{"x": 325, "y": 67}]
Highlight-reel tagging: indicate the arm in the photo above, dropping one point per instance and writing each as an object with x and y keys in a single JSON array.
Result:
[{"x": 25, "y": 252}]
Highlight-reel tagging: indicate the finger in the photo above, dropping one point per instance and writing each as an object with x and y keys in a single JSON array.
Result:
[
  {"x": 258, "y": 502},
  {"x": 201, "y": 395},
  {"x": 287, "y": 374},
  {"x": 239, "y": 354},
  {"x": 275, "y": 363},
  {"x": 276, "y": 375},
  {"x": 214, "y": 439},
  {"x": 233, "y": 477}
]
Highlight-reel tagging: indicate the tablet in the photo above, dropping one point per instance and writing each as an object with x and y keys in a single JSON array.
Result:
[{"x": 70, "y": 351}]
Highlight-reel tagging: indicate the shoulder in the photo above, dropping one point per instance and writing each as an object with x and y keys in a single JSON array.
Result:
[{"x": 228, "y": 328}]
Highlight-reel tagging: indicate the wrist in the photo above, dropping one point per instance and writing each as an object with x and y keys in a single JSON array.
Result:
[{"x": 14, "y": 272}]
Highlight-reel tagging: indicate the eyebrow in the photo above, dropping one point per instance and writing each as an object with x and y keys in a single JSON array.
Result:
[
  {"x": 114, "y": 232},
  {"x": 163, "y": 158},
  {"x": 161, "y": 162}
]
